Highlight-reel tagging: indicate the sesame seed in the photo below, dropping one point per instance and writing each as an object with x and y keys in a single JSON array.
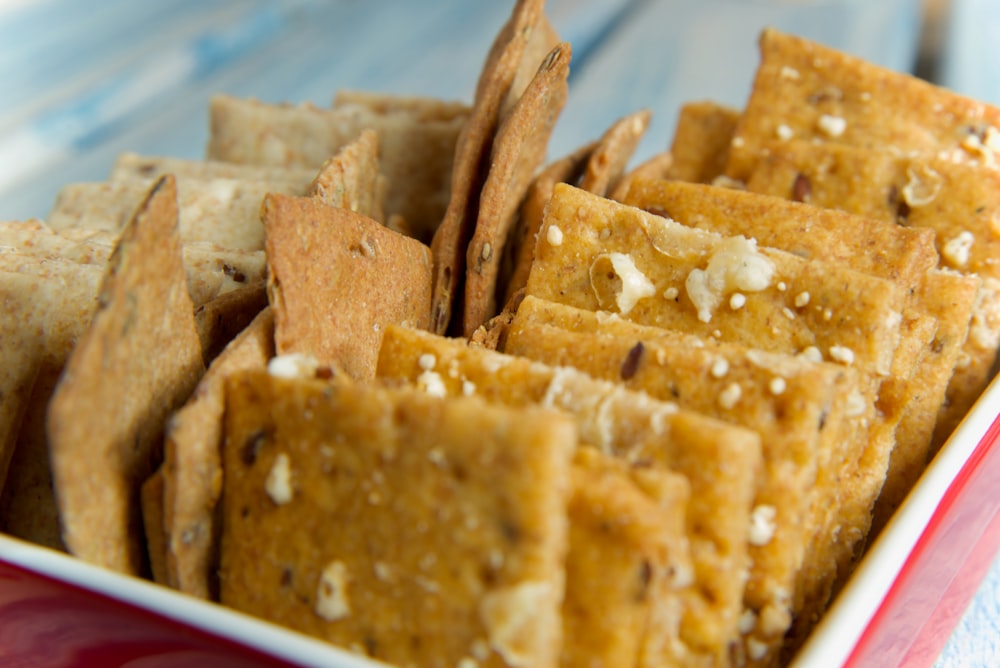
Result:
[
  {"x": 802, "y": 299},
  {"x": 720, "y": 367},
  {"x": 737, "y": 301},
  {"x": 777, "y": 386},
  {"x": 729, "y": 396}
]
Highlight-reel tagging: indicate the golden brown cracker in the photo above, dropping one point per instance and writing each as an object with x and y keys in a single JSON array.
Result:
[
  {"x": 469, "y": 167},
  {"x": 518, "y": 149},
  {"x": 416, "y": 152},
  {"x": 391, "y": 514},
  {"x": 192, "y": 469},
  {"x": 613, "y": 151},
  {"x": 336, "y": 279},
  {"x": 351, "y": 179},
  {"x": 655, "y": 167},
  {"x": 21, "y": 350},
  {"x": 892, "y": 252},
  {"x": 794, "y": 405},
  {"x": 613, "y": 257},
  {"x": 700, "y": 146},
  {"x": 804, "y": 90},
  {"x": 627, "y": 551},
  {"x": 139, "y": 359},
  {"x": 633, "y": 427},
  {"x": 151, "y": 501}
]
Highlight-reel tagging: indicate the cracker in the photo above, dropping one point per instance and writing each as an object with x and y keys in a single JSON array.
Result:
[
  {"x": 383, "y": 103},
  {"x": 225, "y": 212},
  {"x": 627, "y": 548},
  {"x": 139, "y": 359},
  {"x": 192, "y": 468},
  {"x": 472, "y": 151},
  {"x": 20, "y": 359},
  {"x": 900, "y": 254},
  {"x": 219, "y": 320},
  {"x": 351, "y": 179},
  {"x": 654, "y": 167},
  {"x": 129, "y": 165},
  {"x": 957, "y": 201},
  {"x": 416, "y": 152},
  {"x": 151, "y": 501},
  {"x": 393, "y": 515},
  {"x": 614, "y": 149},
  {"x": 619, "y": 258},
  {"x": 567, "y": 169},
  {"x": 700, "y": 146},
  {"x": 811, "y": 92},
  {"x": 518, "y": 149},
  {"x": 806, "y": 444},
  {"x": 35, "y": 238},
  {"x": 633, "y": 427},
  {"x": 336, "y": 279},
  {"x": 53, "y": 302}
]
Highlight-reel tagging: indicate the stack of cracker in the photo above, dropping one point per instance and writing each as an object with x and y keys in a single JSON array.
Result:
[{"x": 385, "y": 374}]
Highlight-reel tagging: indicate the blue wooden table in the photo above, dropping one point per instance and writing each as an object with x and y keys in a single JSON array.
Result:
[{"x": 82, "y": 82}]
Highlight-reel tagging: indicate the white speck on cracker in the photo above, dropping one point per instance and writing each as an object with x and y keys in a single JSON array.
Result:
[
  {"x": 784, "y": 132},
  {"x": 922, "y": 186},
  {"x": 720, "y": 367},
  {"x": 762, "y": 525},
  {"x": 427, "y": 361},
  {"x": 777, "y": 386},
  {"x": 513, "y": 619},
  {"x": 554, "y": 235},
  {"x": 812, "y": 354},
  {"x": 432, "y": 383},
  {"x": 788, "y": 72},
  {"x": 958, "y": 249},
  {"x": 756, "y": 649},
  {"x": 748, "y": 620},
  {"x": 842, "y": 354},
  {"x": 293, "y": 365},
  {"x": 383, "y": 571},
  {"x": 331, "y": 594},
  {"x": 729, "y": 396},
  {"x": 279, "y": 480},
  {"x": 671, "y": 293},
  {"x": 832, "y": 126},
  {"x": 737, "y": 301},
  {"x": 468, "y": 388},
  {"x": 634, "y": 285},
  {"x": 802, "y": 299}
]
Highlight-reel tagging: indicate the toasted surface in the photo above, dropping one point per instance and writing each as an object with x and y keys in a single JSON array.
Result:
[
  {"x": 613, "y": 150},
  {"x": 138, "y": 360},
  {"x": 351, "y": 180},
  {"x": 358, "y": 274},
  {"x": 635, "y": 428},
  {"x": 809, "y": 91},
  {"x": 652, "y": 271},
  {"x": 192, "y": 466},
  {"x": 700, "y": 146},
  {"x": 804, "y": 446},
  {"x": 129, "y": 165},
  {"x": 628, "y": 555},
  {"x": 394, "y": 515}
]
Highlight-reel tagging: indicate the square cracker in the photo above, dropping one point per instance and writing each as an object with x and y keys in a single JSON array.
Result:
[
  {"x": 628, "y": 550},
  {"x": 806, "y": 440},
  {"x": 415, "y": 530},
  {"x": 808, "y": 91},
  {"x": 634, "y": 428},
  {"x": 416, "y": 152},
  {"x": 958, "y": 202},
  {"x": 618, "y": 258},
  {"x": 192, "y": 467},
  {"x": 700, "y": 146},
  {"x": 351, "y": 179},
  {"x": 336, "y": 279},
  {"x": 139, "y": 360},
  {"x": 518, "y": 149}
]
